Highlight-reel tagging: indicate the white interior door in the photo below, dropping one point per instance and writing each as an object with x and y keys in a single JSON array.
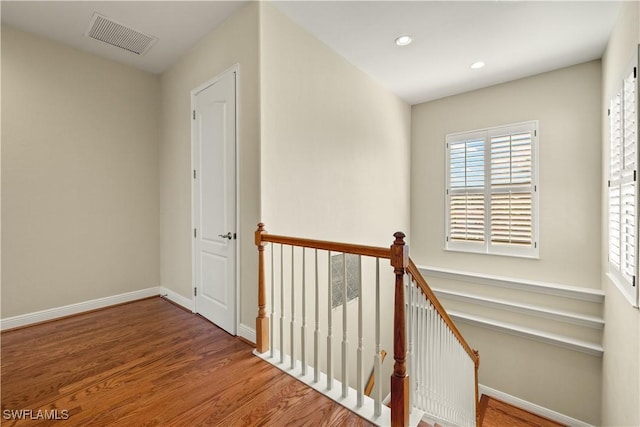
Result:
[{"x": 214, "y": 205}]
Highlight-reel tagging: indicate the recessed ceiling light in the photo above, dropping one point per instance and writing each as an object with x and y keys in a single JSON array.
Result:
[
  {"x": 477, "y": 65},
  {"x": 403, "y": 40}
]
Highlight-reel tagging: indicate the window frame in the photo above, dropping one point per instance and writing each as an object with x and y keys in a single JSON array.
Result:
[{"x": 487, "y": 246}]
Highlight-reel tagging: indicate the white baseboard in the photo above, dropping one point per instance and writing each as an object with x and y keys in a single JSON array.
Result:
[
  {"x": 177, "y": 298},
  {"x": 532, "y": 407},
  {"x": 68, "y": 310},
  {"x": 247, "y": 333}
]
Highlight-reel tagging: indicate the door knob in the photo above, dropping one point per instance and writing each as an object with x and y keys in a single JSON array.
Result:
[{"x": 226, "y": 236}]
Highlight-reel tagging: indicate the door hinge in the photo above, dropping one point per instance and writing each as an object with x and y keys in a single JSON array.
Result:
[
  {"x": 194, "y": 174},
  {"x": 535, "y": 245},
  {"x": 195, "y": 233},
  {"x": 633, "y": 281},
  {"x": 535, "y": 133},
  {"x": 235, "y": 236},
  {"x": 195, "y": 292},
  {"x": 609, "y": 183},
  {"x": 635, "y": 72},
  {"x": 608, "y": 111},
  {"x": 635, "y": 172},
  {"x": 194, "y": 114}
]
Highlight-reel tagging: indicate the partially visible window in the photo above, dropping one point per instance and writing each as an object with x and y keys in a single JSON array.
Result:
[
  {"x": 337, "y": 278},
  {"x": 492, "y": 190},
  {"x": 623, "y": 189}
]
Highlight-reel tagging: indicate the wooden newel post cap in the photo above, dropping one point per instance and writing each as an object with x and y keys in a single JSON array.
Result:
[
  {"x": 258, "y": 235},
  {"x": 399, "y": 251}
]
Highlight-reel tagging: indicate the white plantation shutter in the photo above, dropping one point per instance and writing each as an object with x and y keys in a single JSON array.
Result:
[
  {"x": 466, "y": 194},
  {"x": 491, "y": 200},
  {"x": 623, "y": 190}
]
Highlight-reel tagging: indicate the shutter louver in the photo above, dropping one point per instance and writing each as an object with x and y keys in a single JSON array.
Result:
[
  {"x": 466, "y": 217},
  {"x": 630, "y": 126},
  {"x": 511, "y": 159},
  {"x": 511, "y": 218},
  {"x": 614, "y": 226},
  {"x": 616, "y": 138},
  {"x": 628, "y": 230},
  {"x": 466, "y": 167}
]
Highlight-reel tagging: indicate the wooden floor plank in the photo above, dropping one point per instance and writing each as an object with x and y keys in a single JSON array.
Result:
[
  {"x": 495, "y": 413},
  {"x": 149, "y": 363}
]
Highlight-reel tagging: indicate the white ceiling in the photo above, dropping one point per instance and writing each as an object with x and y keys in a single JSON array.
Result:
[
  {"x": 515, "y": 38},
  {"x": 177, "y": 24}
]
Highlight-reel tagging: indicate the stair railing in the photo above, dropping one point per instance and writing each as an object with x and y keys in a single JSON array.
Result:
[
  {"x": 425, "y": 340},
  {"x": 444, "y": 380}
]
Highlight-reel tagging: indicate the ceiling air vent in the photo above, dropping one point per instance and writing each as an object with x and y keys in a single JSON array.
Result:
[{"x": 108, "y": 31}]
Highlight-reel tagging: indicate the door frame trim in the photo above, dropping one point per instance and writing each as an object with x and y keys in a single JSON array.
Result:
[{"x": 233, "y": 69}]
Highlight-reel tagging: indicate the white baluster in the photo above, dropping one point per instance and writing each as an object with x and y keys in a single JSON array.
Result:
[
  {"x": 409, "y": 325},
  {"x": 345, "y": 371},
  {"x": 281, "y": 305},
  {"x": 419, "y": 352},
  {"x": 377, "y": 390},
  {"x": 360, "y": 373},
  {"x": 329, "y": 332},
  {"x": 316, "y": 333},
  {"x": 431, "y": 360},
  {"x": 273, "y": 304},
  {"x": 303, "y": 330},
  {"x": 293, "y": 311}
]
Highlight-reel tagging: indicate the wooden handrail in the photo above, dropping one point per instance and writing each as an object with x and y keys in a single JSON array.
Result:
[{"x": 372, "y": 251}]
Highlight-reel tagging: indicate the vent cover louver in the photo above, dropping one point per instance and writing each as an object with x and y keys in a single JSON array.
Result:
[{"x": 111, "y": 32}]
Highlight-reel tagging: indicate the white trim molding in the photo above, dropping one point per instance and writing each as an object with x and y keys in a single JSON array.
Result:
[
  {"x": 566, "y": 291},
  {"x": 247, "y": 333},
  {"x": 531, "y": 407},
  {"x": 177, "y": 298},
  {"x": 528, "y": 309},
  {"x": 71, "y": 309},
  {"x": 587, "y": 347}
]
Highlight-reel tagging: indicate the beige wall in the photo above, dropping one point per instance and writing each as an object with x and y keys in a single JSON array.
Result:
[
  {"x": 335, "y": 157},
  {"x": 621, "y": 371},
  {"x": 335, "y": 144},
  {"x": 566, "y": 103},
  {"x": 79, "y": 176},
  {"x": 234, "y": 42}
]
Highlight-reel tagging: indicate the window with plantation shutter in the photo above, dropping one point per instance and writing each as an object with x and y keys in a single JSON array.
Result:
[
  {"x": 492, "y": 190},
  {"x": 623, "y": 188}
]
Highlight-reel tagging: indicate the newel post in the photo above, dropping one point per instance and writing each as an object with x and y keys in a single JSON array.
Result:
[
  {"x": 399, "y": 378},
  {"x": 262, "y": 321}
]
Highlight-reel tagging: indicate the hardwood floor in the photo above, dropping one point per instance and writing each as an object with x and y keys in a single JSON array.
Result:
[
  {"x": 150, "y": 363},
  {"x": 495, "y": 413}
]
